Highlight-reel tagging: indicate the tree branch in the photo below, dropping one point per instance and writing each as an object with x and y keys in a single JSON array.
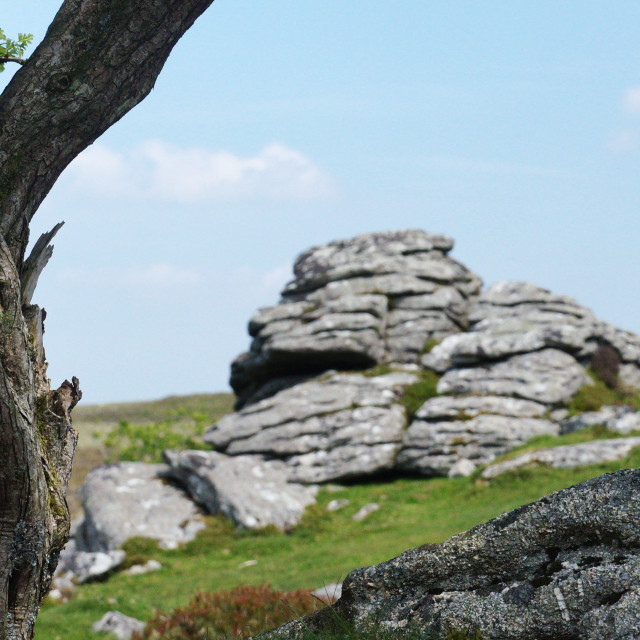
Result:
[
  {"x": 98, "y": 60},
  {"x": 4, "y": 59},
  {"x": 36, "y": 262}
]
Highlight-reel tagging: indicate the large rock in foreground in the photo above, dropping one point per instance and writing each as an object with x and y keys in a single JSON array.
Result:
[{"x": 566, "y": 567}]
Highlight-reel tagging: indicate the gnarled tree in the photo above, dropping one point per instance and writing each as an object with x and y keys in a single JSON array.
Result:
[{"x": 98, "y": 60}]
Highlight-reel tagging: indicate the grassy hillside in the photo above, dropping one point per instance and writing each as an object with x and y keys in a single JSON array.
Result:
[{"x": 321, "y": 550}]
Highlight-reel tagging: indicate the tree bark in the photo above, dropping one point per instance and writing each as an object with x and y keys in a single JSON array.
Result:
[{"x": 98, "y": 60}]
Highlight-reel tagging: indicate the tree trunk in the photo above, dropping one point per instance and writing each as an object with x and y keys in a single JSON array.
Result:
[{"x": 98, "y": 60}]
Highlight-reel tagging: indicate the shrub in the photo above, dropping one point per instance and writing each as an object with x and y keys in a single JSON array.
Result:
[
  {"x": 146, "y": 442},
  {"x": 605, "y": 364},
  {"x": 238, "y": 613}
]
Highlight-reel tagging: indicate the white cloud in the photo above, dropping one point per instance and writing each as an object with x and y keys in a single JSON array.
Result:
[
  {"x": 158, "y": 171},
  {"x": 631, "y": 100},
  {"x": 623, "y": 141}
]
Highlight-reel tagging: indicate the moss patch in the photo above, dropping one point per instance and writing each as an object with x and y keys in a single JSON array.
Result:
[
  {"x": 419, "y": 392},
  {"x": 593, "y": 397}
]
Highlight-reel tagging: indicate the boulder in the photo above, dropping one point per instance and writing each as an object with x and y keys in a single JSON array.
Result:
[
  {"x": 252, "y": 492},
  {"x": 355, "y": 303},
  {"x": 566, "y": 566},
  {"x": 134, "y": 499},
  {"x": 567, "y": 456},
  {"x": 334, "y": 427}
]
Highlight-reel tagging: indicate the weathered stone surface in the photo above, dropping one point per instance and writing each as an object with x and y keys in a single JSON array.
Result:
[
  {"x": 573, "y": 455},
  {"x": 462, "y": 407},
  {"x": 367, "y": 254},
  {"x": 619, "y": 418},
  {"x": 82, "y": 566},
  {"x": 132, "y": 499},
  {"x": 630, "y": 375},
  {"x": 519, "y": 307},
  {"x": 549, "y": 376},
  {"x": 355, "y": 303},
  {"x": 117, "y": 624},
  {"x": 250, "y": 491},
  {"x": 566, "y": 566},
  {"x": 339, "y": 426},
  {"x": 480, "y": 347},
  {"x": 435, "y": 448}
]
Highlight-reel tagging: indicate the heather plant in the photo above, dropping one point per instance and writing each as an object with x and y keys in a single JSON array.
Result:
[
  {"x": 605, "y": 364},
  {"x": 238, "y": 613}
]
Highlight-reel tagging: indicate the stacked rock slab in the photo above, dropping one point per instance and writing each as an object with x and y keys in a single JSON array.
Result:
[
  {"x": 374, "y": 298},
  {"x": 335, "y": 427},
  {"x": 566, "y": 566},
  {"x": 522, "y": 359}
]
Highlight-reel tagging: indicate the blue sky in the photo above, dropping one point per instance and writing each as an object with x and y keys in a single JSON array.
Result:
[{"x": 512, "y": 127}]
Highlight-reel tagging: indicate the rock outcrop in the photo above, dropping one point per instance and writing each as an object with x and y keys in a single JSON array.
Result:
[
  {"x": 382, "y": 356},
  {"x": 566, "y": 566},
  {"x": 355, "y": 303},
  {"x": 510, "y": 359}
]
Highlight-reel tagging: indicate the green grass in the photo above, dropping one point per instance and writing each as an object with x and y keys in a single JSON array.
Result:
[
  {"x": 419, "y": 392},
  {"x": 594, "y": 396},
  {"x": 322, "y": 550}
]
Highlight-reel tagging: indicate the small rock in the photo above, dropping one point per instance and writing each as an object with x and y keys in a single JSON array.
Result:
[
  {"x": 82, "y": 566},
  {"x": 139, "y": 569},
  {"x": 463, "y": 468},
  {"x": 367, "y": 510},
  {"x": 334, "y": 505},
  {"x": 247, "y": 563},
  {"x": 119, "y": 625},
  {"x": 63, "y": 588},
  {"x": 330, "y": 593}
]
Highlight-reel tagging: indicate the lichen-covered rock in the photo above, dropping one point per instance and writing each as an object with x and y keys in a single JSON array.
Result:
[
  {"x": 82, "y": 566},
  {"x": 566, "y": 566},
  {"x": 619, "y": 418},
  {"x": 374, "y": 298},
  {"x": 549, "y": 376},
  {"x": 133, "y": 499},
  {"x": 117, "y": 624},
  {"x": 252, "y": 492},
  {"x": 435, "y": 448},
  {"x": 338, "y": 426},
  {"x": 567, "y": 456}
]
